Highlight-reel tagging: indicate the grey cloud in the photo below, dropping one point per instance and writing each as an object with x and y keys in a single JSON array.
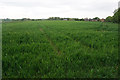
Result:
[{"x": 61, "y": 7}]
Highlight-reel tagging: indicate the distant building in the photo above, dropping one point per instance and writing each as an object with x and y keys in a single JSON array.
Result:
[
  {"x": 65, "y": 19},
  {"x": 90, "y": 19},
  {"x": 102, "y": 20},
  {"x": 94, "y": 20},
  {"x": 86, "y": 19}
]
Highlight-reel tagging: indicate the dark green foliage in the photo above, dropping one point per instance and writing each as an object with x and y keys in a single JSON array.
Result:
[
  {"x": 96, "y": 18},
  {"x": 109, "y": 19},
  {"x": 116, "y": 17}
]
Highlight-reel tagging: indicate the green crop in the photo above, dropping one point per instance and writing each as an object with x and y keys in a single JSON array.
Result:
[{"x": 59, "y": 49}]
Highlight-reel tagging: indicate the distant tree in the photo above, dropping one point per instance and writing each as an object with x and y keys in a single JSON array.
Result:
[
  {"x": 67, "y": 18},
  {"x": 24, "y": 19},
  {"x": 116, "y": 17},
  {"x": 82, "y": 19},
  {"x": 115, "y": 11},
  {"x": 61, "y": 18},
  {"x": 76, "y": 19},
  {"x": 96, "y": 18},
  {"x": 54, "y": 18},
  {"x": 32, "y": 19},
  {"x": 109, "y": 19}
]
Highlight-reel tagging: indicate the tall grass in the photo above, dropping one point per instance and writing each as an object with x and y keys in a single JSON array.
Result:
[{"x": 60, "y": 49}]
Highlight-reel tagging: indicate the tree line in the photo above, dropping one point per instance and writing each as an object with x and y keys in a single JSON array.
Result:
[{"x": 115, "y": 18}]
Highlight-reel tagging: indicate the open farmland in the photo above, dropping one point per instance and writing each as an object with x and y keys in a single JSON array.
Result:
[{"x": 60, "y": 49}]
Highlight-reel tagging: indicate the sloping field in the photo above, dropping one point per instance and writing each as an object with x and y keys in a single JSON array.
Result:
[{"x": 60, "y": 49}]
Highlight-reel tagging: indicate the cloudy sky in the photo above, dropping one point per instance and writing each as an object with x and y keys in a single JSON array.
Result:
[{"x": 36, "y": 9}]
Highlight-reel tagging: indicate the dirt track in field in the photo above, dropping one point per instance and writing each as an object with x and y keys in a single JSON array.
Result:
[{"x": 51, "y": 43}]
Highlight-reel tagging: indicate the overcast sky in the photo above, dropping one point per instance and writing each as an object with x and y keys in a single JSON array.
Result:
[{"x": 57, "y": 8}]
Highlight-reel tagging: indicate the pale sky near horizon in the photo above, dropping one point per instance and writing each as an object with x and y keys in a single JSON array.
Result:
[{"x": 36, "y": 9}]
